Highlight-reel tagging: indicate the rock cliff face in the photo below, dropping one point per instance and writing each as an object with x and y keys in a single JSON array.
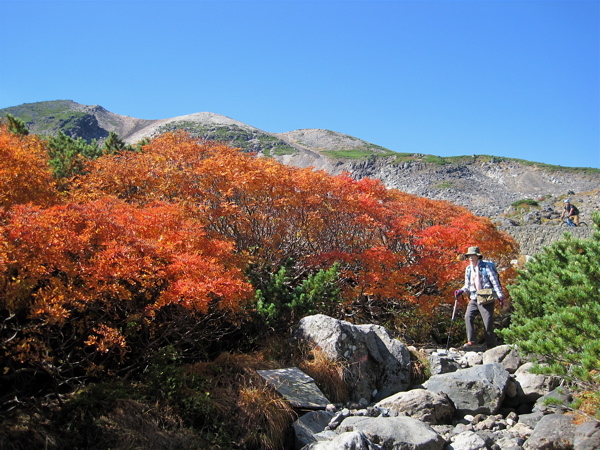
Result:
[{"x": 487, "y": 187}]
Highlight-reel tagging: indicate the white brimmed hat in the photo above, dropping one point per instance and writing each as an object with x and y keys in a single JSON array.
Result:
[{"x": 473, "y": 251}]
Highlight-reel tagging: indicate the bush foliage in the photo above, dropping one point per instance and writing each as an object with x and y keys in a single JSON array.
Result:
[
  {"x": 557, "y": 309},
  {"x": 201, "y": 248},
  {"x": 187, "y": 227}
]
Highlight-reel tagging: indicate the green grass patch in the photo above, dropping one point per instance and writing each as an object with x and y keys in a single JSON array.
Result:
[
  {"x": 446, "y": 184},
  {"x": 419, "y": 157},
  {"x": 48, "y": 117},
  {"x": 359, "y": 152},
  {"x": 555, "y": 168},
  {"x": 525, "y": 203},
  {"x": 353, "y": 153},
  {"x": 438, "y": 160}
]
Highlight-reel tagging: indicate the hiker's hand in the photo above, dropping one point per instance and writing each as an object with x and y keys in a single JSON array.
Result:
[
  {"x": 458, "y": 292},
  {"x": 501, "y": 301}
]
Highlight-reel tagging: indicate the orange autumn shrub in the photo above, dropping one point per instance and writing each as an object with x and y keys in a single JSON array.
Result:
[
  {"x": 390, "y": 244},
  {"x": 98, "y": 286},
  {"x": 168, "y": 244},
  {"x": 25, "y": 173}
]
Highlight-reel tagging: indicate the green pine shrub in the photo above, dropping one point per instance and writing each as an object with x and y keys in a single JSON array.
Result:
[
  {"x": 282, "y": 301},
  {"x": 68, "y": 156},
  {"x": 556, "y": 300}
]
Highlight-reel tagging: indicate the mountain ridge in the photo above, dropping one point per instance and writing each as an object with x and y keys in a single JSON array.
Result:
[{"x": 469, "y": 180}]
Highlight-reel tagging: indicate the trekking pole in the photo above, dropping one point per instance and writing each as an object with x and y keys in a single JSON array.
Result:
[{"x": 452, "y": 321}]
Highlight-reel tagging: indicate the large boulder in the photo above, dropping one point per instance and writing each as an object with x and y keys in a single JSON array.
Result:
[
  {"x": 377, "y": 365},
  {"x": 308, "y": 425},
  {"x": 395, "y": 432},
  {"x": 553, "y": 431},
  {"x": 354, "y": 440},
  {"x": 476, "y": 390},
  {"x": 587, "y": 436},
  {"x": 505, "y": 355},
  {"x": 426, "y": 406},
  {"x": 531, "y": 386}
]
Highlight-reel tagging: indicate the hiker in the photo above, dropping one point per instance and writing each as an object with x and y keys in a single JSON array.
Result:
[
  {"x": 570, "y": 211},
  {"x": 483, "y": 286}
]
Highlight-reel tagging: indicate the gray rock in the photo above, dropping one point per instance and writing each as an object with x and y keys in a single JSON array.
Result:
[
  {"x": 338, "y": 418},
  {"x": 512, "y": 389},
  {"x": 587, "y": 436},
  {"x": 531, "y": 386},
  {"x": 522, "y": 430},
  {"x": 508, "y": 443},
  {"x": 426, "y": 406},
  {"x": 532, "y": 419},
  {"x": 441, "y": 363},
  {"x": 467, "y": 440},
  {"x": 298, "y": 388},
  {"x": 479, "y": 389},
  {"x": 354, "y": 440},
  {"x": 556, "y": 400},
  {"x": 505, "y": 355},
  {"x": 445, "y": 431},
  {"x": 553, "y": 431},
  {"x": 471, "y": 359},
  {"x": 375, "y": 361},
  {"x": 308, "y": 425},
  {"x": 395, "y": 432},
  {"x": 486, "y": 424}
]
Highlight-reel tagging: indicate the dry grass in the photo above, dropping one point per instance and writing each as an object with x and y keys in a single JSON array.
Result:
[
  {"x": 221, "y": 402},
  {"x": 419, "y": 366},
  {"x": 131, "y": 424},
  {"x": 257, "y": 415},
  {"x": 328, "y": 374},
  {"x": 265, "y": 415},
  {"x": 126, "y": 424},
  {"x": 589, "y": 405}
]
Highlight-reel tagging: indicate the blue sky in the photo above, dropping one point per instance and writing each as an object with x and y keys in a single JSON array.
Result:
[{"x": 450, "y": 77}]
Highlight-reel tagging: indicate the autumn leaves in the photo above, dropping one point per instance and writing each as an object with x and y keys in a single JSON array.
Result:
[{"x": 188, "y": 224}]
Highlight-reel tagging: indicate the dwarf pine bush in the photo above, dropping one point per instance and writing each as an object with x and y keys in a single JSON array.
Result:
[
  {"x": 279, "y": 300},
  {"x": 556, "y": 301}
]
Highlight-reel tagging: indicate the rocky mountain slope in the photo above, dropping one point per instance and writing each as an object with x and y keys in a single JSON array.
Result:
[{"x": 487, "y": 185}]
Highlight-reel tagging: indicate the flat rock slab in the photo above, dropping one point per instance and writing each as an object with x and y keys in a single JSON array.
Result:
[{"x": 296, "y": 387}]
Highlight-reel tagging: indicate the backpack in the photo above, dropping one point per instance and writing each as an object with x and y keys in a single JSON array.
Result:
[
  {"x": 491, "y": 265},
  {"x": 574, "y": 210}
]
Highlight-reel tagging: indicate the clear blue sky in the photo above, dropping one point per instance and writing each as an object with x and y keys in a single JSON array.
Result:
[{"x": 450, "y": 77}]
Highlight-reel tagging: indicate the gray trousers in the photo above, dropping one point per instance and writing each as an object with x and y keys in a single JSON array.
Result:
[{"x": 487, "y": 314}]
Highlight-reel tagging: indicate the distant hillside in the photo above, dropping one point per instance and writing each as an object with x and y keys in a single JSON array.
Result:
[{"x": 487, "y": 185}]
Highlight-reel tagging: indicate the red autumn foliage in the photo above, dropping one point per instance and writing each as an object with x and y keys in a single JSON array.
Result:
[
  {"x": 392, "y": 244},
  {"x": 100, "y": 273},
  {"x": 116, "y": 255},
  {"x": 25, "y": 174},
  {"x": 148, "y": 243}
]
